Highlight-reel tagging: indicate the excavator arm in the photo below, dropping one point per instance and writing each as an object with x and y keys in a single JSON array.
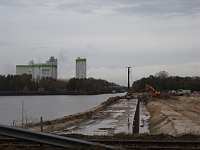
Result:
[{"x": 152, "y": 91}]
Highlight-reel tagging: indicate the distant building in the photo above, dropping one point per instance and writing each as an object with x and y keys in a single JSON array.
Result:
[
  {"x": 81, "y": 68},
  {"x": 39, "y": 70}
]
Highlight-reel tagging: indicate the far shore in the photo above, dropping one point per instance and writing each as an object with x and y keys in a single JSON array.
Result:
[{"x": 45, "y": 93}]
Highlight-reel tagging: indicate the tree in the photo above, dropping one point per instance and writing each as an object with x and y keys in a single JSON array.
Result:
[
  {"x": 168, "y": 83},
  {"x": 162, "y": 74}
]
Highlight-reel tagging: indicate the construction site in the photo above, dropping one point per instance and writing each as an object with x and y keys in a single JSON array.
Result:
[{"x": 148, "y": 120}]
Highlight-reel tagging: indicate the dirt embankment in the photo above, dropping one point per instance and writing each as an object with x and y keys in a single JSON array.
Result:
[
  {"x": 175, "y": 116},
  {"x": 66, "y": 121}
]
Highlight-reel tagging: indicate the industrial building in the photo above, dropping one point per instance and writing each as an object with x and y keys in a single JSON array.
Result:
[
  {"x": 81, "y": 68},
  {"x": 39, "y": 70}
]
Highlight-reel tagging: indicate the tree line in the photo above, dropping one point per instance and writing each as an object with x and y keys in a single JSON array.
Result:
[
  {"x": 163, "y": 82},
  {"x": 91, "y": 84},
  {"x": 25, "y": 83}
]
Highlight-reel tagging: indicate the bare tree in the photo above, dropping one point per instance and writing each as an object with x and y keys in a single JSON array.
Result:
[{"x": 162, "y": 74}]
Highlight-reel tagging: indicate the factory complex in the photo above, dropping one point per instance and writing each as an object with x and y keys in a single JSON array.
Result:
[{"x": 49, "y": 69}]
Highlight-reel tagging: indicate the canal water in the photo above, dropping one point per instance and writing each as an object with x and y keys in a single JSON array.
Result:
[{"x": 50, "y": 107}]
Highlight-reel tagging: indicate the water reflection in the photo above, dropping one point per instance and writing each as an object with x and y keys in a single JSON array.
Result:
[{"x": 50, "y": 107}]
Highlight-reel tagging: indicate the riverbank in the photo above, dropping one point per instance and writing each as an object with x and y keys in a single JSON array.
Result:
[
  {"x": 109, "y": 118},
  {"x": 109, "y": 121},
  {"x": 61, "y": 123},
  {"x": 175, "y": 116}
]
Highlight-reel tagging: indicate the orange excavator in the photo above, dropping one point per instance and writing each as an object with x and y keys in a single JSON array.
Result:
[{"x": 152, "y": 91}]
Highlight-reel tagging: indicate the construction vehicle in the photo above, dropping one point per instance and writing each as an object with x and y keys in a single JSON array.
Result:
[{"x": 152, "y": 91}]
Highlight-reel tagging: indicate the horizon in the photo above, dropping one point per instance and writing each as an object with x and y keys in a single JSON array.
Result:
[{"x": 131, "y": 81}]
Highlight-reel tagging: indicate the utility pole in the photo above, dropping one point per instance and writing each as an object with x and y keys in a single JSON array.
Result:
[
  {"x": 128, "y": 111},
  {"x": 129, "y": 77}
]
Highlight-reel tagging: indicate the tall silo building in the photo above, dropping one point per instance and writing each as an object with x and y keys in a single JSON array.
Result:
[
  {"x": 39, "y": 70},
  {"x": 81, "y": 68}
]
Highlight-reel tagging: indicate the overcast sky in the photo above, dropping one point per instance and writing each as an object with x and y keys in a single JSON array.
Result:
[{"x": 151, "y": 35}]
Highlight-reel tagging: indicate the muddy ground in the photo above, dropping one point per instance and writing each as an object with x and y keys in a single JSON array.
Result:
[
  {"x": 111, "y": 117},
  {"x": 61, "y": 124},
  {"x": 116, "y": 118},
  {"x": 175, "y": 116}
]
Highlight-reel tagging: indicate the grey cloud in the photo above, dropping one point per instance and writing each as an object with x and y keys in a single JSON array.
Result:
[
  {"x": 24, "y": 3},
  {"x": 157, "y": 7},
  {"x": 11, "y": 3},
  {"x": 142, "y": 7},
  {"x": 3, "y": 43}
]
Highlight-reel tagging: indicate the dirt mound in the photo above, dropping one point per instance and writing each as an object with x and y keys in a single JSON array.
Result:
[{"x": 175, "y": 116}]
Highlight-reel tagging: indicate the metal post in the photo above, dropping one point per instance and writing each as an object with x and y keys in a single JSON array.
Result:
[
  {"x": 41, "y": 129},
  {"x": 26, "y": 122},
  {"x": 41, "y": 124},
  {"x": 13, "y": 123},
  {"x": 136, "y": 120},
  {"x": 22, "y": 114},
  {"x": 128, "y": 116}
]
